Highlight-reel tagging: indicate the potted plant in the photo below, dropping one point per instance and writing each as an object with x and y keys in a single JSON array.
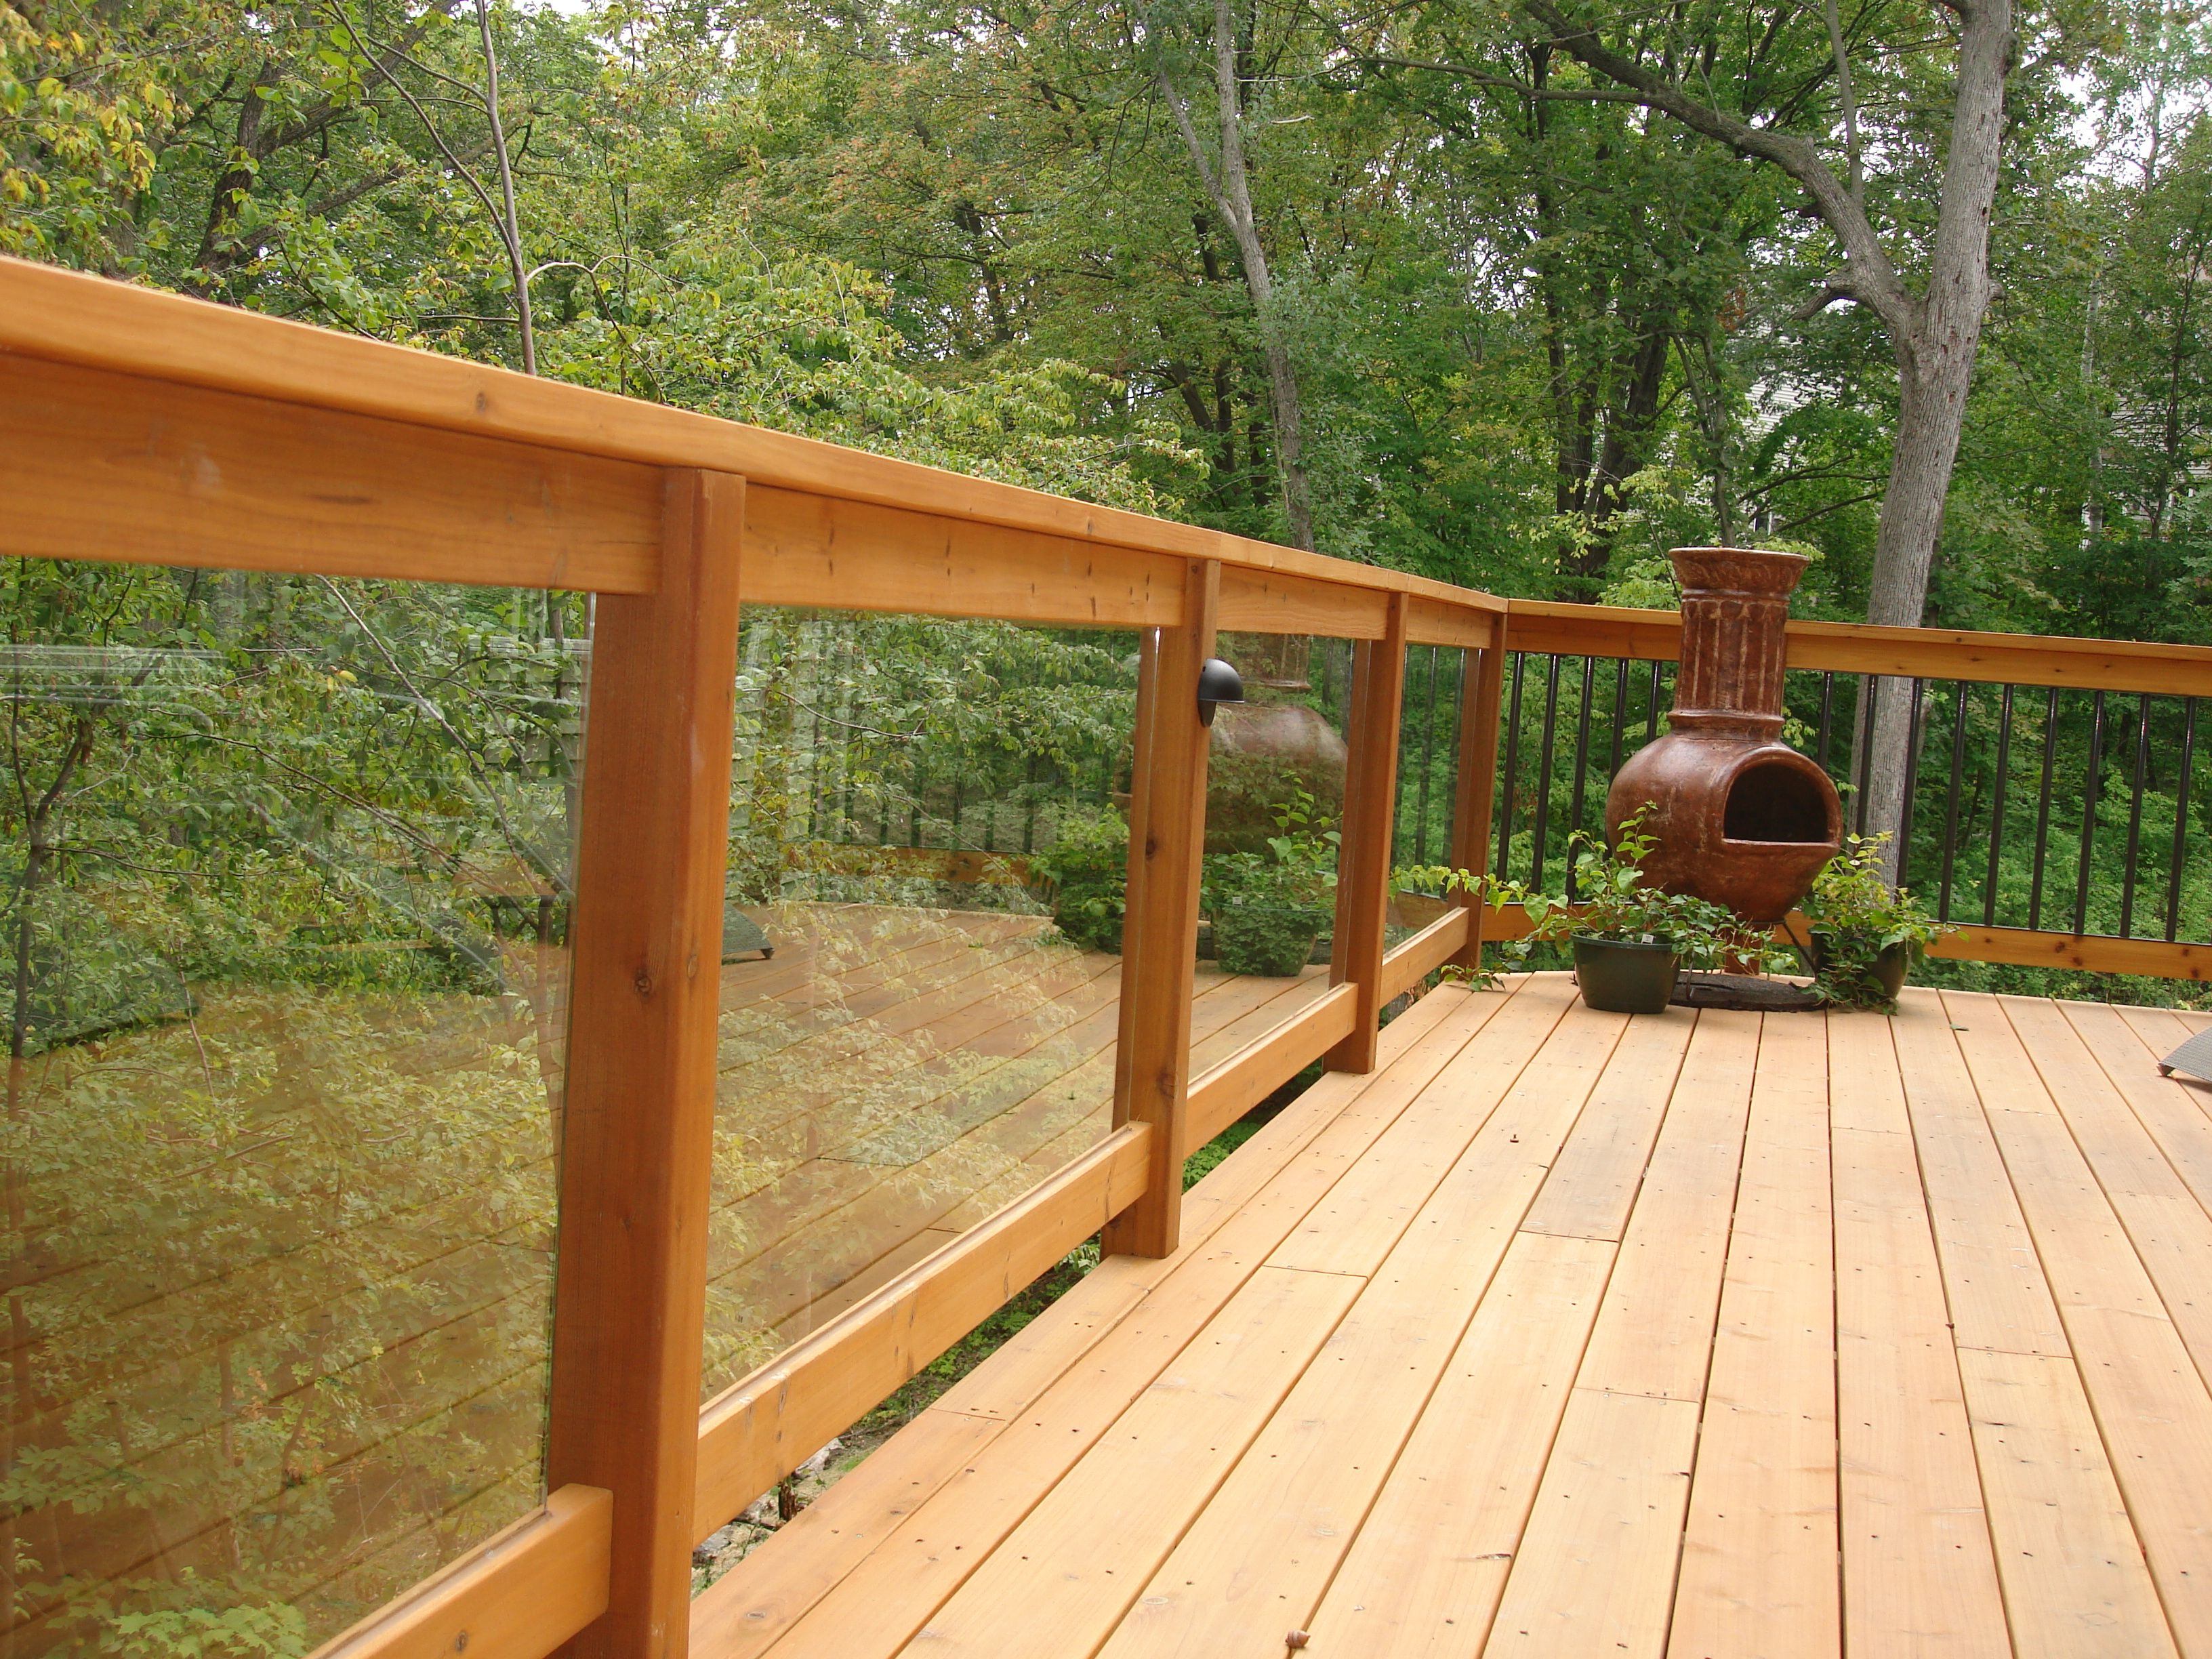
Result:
[
  {"x": 1630, "y": 940},
  {"x": 1866, "y": 934},
  {"x": 1088, "y": 868},
  {"x": 1269, "y": 909}
]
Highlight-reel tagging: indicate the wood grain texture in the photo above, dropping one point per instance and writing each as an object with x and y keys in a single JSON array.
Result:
[
  {"x": 1363, "y": 857},
  {"x": 1759, "y": 1548},
  {"x": 807, "y": 549},
  {"x": 1159, "y": 946},
  {"x": 638, "y": 1125},
  {"x": 1238, "y": 1083},
  {"x": 2088, "y": 952},
  {"x": 1276, "y": 602},
  {"x": 1744, "y": 1429},
  {"x": 1853, "y": 648},
  {"x": 61, "y": 316},
  {"x": 762, "y": 1428},
  {"x": 1424, "y": 1575},
  {"x": 2073, "y": 1570},
  {"x": 522, "y": 1592},
  {"x": 1409, "y": 962},
  {"x": 1921, "y": 1574},
  {"x": 101, "y": 466}
]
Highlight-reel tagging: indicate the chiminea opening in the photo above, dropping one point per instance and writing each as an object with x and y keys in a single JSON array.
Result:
[{"x": 1776, "y": 800}]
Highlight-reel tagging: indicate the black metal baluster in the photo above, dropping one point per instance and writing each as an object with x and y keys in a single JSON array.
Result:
[
  {"x": 1582, "y": 751},
  {"x": 1951, "y": 802},
  {"x": 1544, "y": 771},
  {"x": 1827, "y": 719},
  {"x": 1512, "y": 764},
  {"x": 2135, "y": 817},
  {"x": 1862, "y": 762},
  {"x": 1620, "y": 719},
  {"x": 2090, "y": 792},
  {"x": 1915, "y": 722},
  {"x": 1451, "y": 749},
  {"x": 1997, "y": 806},
  {"x": 2181, "y": 819},
  {"x": 1652, "y": 713},
  {"x": 2043, "y": 808},
  {"x": 1428, "y": 750}
]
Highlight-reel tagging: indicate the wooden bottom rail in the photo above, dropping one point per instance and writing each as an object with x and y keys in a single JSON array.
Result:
[
  {"x": 1257, "y": 1070},
  {"x": 519, "y": 1595},
  {"x": 762, "y": 1427},
  {"x": 1414, "y": 959},
  {"x": 2018, "y": 947},
  {"x": 2084, "y": 952}
]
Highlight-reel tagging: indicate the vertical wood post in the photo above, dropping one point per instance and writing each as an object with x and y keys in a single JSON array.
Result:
[
  {"x": 638, "y": 1135},
  {"x": 1475, "y": 798},
  {"x": 1160, "y": 933},
  {"x": 1363, "y": 859}
]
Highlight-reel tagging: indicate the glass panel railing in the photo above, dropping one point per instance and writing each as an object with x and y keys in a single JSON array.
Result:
[
  {"x": 921, "y": 983},
  {"x": 1275, "y": 778},
  {"x": 286, "y": 875}
]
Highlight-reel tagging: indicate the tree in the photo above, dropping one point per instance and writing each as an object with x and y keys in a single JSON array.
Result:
[
  {"x": 1934, "y": 332},
  {"x": 1225, "y": 174}
]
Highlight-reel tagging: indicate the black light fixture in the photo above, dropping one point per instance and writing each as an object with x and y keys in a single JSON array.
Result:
[{"x": 1218, "y": 683}]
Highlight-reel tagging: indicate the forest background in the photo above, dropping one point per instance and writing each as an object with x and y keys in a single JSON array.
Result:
[{"x": 1533, "y": 333}]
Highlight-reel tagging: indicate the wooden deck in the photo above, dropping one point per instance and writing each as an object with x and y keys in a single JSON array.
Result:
[{"x": 1572, "y": 1334}]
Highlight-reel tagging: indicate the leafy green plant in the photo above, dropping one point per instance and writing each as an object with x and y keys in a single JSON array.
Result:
[
  {"x": 1856, "y": 917},
  {"x": 1088, "y": 866},
  {"x": 1268, "y": 908},
  {"x": 1613, "y": 902}
]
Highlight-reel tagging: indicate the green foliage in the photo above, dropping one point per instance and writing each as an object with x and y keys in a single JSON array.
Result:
[
  {"x": 1613, "y": 901},
  {"x": 1855, "y": 916},
  {"x": 1268, "y": 908},
  {"x": 1088, "y": 866}
]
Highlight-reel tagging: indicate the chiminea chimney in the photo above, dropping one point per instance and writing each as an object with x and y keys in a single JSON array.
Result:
[{"x": 1740, "y": 816}]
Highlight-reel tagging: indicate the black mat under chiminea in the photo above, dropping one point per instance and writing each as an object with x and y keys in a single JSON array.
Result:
[{"x": 1761, "y": 996}]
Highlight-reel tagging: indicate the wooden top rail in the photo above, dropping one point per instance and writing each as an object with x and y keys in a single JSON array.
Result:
[
  {"x": 1934, "y": 653},
  {"x": 166, "y": 402}
]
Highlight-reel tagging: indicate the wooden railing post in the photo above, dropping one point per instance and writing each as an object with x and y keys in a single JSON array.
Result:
[
  {"x": 637, "y": 1138},
  {"x": 1474, "y": 800},
  {"x": 1363, "y": 859},
  {"x": 1159, "y": 932}
]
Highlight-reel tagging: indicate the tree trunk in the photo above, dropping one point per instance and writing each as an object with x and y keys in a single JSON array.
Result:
[
  {"x": 1934, "y": 369},
  {"x": 1931, "y": 409},
  {"x": 1229, "y": 189}
]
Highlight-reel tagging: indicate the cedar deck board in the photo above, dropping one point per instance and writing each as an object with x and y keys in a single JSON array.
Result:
[{"x": 1793, "y": 1340}]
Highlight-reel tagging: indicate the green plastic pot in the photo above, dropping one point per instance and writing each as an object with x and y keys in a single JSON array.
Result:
[{"x": 1625, "y": 976}]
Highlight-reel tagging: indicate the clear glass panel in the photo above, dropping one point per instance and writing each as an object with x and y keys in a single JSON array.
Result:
[
  {"x": 909, "y": 1039},
  {"x": 1274, "y": 797},
  {"x": 286, "y": 874}
]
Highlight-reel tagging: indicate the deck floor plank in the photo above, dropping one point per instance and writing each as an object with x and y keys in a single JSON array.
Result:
[
  {"x": 1690, "y": 1336},
  {"x": 1271, "y": 1537},
  {"x": 1595, "y": 1572},
  {"x": 1758, "y": 1558},
  {"x": 2152, "y": 1408},
  {"x": 1919, "y": 1570}
]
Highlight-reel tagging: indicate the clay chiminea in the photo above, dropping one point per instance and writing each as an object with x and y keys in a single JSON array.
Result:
[{"x": 1741, "y": 818}]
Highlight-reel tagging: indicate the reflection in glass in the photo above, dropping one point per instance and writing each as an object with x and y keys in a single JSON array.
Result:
[
  {"x": 286, "y": 867},
  {"x": 908, "y": 1039}
]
